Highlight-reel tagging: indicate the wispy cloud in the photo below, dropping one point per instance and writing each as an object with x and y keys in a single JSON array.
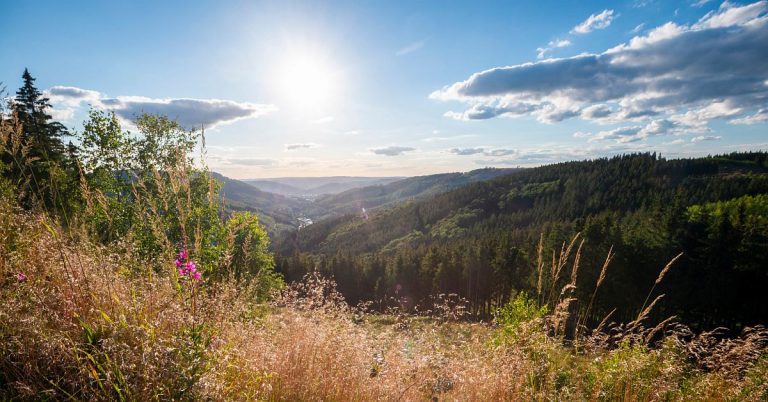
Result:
[
  {"x": 294, "y": 147},
  {"x": 541, "y": 52},
  {"x": 595, "y": 22},
  {"x": 466, "y": 151},
  {"x": 411, "y": 47},
  {"x": 392, "y": 150},
  {"x": 449, "y": 138},
  {"x": 642, "y": 3},
  {"x": 483, "y": 151},
  {"x": 759, "y": 117},
  {"x": 706, "y": 138}
]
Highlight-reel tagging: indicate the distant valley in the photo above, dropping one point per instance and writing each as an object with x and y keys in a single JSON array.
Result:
[
  {"x": 291, "y": 202},
  {"x": 315, "y": 186}
]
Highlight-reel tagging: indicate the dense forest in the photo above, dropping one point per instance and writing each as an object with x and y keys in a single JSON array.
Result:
[{"x": 480, "y": 241}]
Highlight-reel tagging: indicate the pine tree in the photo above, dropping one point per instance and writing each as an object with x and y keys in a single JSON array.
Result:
[
  {"x": 43, "y": 135},
  {"x": 36, "y": 159}
]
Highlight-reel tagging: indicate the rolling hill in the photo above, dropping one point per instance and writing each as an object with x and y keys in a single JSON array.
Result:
[
  {"x": 314, "y": 186},
  {"x": 389, "y": 194},
  {"x": 479, "y": 240},
  {"x": 277, "y": 212}
]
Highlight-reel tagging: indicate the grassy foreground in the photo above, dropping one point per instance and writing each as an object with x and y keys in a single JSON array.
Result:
[{"x": 79, "y": 321}]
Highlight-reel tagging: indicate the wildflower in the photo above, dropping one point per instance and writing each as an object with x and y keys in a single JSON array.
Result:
[
  {"x": 21, "y": 277},
  {"x": 187, "y": 268}
]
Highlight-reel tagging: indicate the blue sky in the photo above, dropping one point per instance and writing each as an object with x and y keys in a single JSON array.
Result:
[{"x": 407, "y": 88}]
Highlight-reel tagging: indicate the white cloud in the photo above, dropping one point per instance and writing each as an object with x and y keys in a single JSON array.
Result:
[
  {"x": 595, "y": 22},
  {"x": 700, "y": 3},
  {"x": 66, "y": 100},
  {"x": 466, "y": 151},
  {"x": 190, "y": 113},
  {"x": 730, "y": 15},
  {"x": 392, "y": 150},
  {"x": 685, "y": 75},
  {"x": 411, "y": 47},
  {"x": 486, "y": 152},
  {"x": 294, "y": 147},
  {"x": 71, "y": 96},
  {"x": 706, "y": 138},
  {"x": 555, "y": 44},
  {"x": 759, "y": 117},
  {"x": 448, "y": 138},
  {"x": 627, "y": 134},
  {"x": 62, "y": 115}
]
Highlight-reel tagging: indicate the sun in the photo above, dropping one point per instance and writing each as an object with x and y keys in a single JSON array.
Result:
[{"x": 307, "y": 79}]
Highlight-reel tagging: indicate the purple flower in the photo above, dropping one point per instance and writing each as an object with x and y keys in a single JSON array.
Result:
[
  {"x": 186, "y": 267},
  {"x": 21, "y": 277}
]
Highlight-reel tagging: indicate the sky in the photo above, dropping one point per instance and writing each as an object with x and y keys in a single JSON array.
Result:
[{"x": 383, "y": 88}]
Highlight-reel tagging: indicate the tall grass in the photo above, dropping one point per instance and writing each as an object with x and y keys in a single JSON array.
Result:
[
  {"x": 83, "y": 325},
  {"x": 85, "y": 319}
]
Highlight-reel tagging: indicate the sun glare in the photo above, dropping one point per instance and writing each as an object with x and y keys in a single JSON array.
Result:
[{"x": 307, "y": 79}]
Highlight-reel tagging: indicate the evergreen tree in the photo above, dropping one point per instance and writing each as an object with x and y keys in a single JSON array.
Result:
[
  {"x": 43, "y": 134},
  {"x": 35, "y": 157}
]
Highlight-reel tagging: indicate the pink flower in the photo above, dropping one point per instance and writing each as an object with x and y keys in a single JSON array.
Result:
[
  {"x": 21, "y": 277},
  {"x": 186, "y": 267}
]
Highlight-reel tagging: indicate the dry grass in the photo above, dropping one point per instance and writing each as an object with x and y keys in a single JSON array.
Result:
[{"x": 84, "y": 325}]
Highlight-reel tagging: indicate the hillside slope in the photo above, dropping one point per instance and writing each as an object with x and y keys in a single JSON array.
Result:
[
  {"x": 278, "y": 213},
  {"x": 314, "y": 186},
  {"x": 352, "y": 201},
  {"x": 479, "y": 241}
]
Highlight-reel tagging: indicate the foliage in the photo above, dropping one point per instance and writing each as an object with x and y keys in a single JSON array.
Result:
[
  {"x": 250, "y": 259},
  {"x": 522, "y": 309},
  {"x": 32, "y": 154},
  {"x": 480, "y": 240},
  {"x": 143, "y": 193}
]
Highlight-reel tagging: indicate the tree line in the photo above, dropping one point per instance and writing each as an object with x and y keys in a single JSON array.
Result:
[{"x": 481, "y": 241}]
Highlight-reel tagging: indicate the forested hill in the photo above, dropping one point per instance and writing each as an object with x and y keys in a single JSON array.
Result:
[
  {"x": 314, "y": 186},
  {"x": 278, "y": 213},
  {"x": 479, "y": 240},
  {"x": 352, "y": 201}
]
